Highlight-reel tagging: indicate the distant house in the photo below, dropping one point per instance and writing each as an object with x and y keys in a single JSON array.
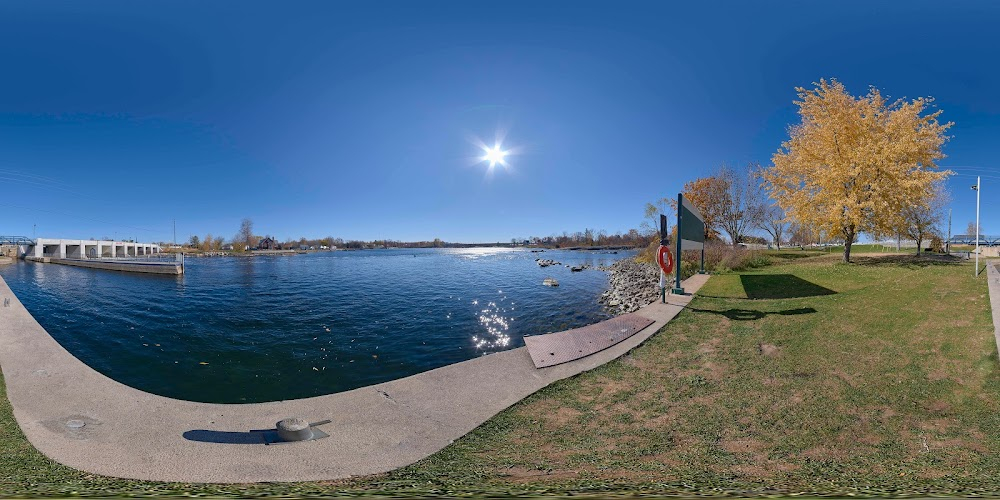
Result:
[
  {"x": 268, "y": 243},
  {"x": 227, "y": 247}
]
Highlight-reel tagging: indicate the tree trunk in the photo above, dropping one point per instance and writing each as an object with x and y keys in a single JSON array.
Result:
[
  {"x": 848, "y": 240},
  {"x": 920, "y": 241}
]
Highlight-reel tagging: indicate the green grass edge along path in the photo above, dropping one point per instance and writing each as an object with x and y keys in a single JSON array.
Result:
[{"x": 807, "y": 376}]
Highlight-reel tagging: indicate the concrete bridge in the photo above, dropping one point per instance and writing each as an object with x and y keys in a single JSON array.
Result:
[{"x": 90, "y": 249}]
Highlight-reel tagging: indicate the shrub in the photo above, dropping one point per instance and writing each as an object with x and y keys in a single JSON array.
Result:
[
  {"x": 937, "y": 244},
  {"x": 719, "y": 258},
  {"x": 722, "y": 258},
  {"x": 648, "y": 255}
]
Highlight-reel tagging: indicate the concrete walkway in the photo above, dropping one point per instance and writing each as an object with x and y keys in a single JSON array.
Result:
[
  {"x": 132, "y": 434},
  {"x": 993, "y": 279}
]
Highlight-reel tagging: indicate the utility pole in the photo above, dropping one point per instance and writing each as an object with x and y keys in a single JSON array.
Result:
[
  {"x": 175, "y": 232},
  {"x": 976, "y": 189}
]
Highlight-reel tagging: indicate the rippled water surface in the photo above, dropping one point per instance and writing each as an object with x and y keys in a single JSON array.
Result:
[{"x": 256, "y": 329}]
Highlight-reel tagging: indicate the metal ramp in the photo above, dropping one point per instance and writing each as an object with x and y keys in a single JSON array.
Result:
[{"x": 562, "y": 347}]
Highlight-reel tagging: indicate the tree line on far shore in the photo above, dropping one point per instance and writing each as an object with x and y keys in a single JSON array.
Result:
[{"x": 246, "y": 239}]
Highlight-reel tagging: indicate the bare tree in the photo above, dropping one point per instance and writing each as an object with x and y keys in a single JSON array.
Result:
[
  {"x": 651, "y": 221},
  {"x": 774, "y": 222},
  {"x": 921, "y": 218},
  {"x": 971, "y": 229},
  {"x": 742, "y": 204},
  {"x": 801, "y": 234},
  {"x": 245, "y": 235}
]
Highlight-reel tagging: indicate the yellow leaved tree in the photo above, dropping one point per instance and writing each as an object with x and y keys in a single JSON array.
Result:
[{"x": 854, "y": 164}]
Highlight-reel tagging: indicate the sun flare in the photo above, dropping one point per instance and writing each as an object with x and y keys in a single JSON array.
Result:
[{"x": 495, "y": 155}]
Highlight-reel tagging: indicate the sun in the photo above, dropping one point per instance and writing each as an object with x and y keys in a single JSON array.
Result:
[{"x": 495, "y": 155}]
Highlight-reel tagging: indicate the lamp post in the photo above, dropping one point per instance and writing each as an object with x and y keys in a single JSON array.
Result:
[
  {"x": 947, "y": 244},
  {"x": 975, "y": 188}
]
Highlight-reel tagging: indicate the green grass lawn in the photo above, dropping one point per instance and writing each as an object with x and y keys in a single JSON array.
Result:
[
  {"x": 807, "y": 376},
  {"x": 857, "y": 248}
]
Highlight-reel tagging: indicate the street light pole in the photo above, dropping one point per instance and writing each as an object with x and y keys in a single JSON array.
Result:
[
  {"x": 976, "y": 188},
  {"x": 947, "y": 244}
]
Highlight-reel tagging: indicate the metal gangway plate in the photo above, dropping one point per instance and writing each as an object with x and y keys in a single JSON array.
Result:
[{"x": 561, "y": 347}]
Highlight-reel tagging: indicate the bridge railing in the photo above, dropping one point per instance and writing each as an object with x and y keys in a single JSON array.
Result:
[
  {"x": 16, "y": 240},
  {"x": 970, "y": 239}
]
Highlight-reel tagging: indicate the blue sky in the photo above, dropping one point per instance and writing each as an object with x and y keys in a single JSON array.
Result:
[{"x": 354, "y": 119}]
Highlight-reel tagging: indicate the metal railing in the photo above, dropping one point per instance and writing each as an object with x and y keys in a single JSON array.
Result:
[
  {"x": 970, "y": 239},
  {"x": 16, "y": 240}
]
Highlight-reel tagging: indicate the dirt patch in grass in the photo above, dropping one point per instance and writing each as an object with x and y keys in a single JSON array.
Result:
[
  {"x": 769, "y": 350},
  {"x": 522, "y": 475},
  {"x": 742, "y": 445}
]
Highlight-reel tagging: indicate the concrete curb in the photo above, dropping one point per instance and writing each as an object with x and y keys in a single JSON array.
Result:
[
  {"x": 993, "y": 279},
  {"x": 82, "y": 419}
]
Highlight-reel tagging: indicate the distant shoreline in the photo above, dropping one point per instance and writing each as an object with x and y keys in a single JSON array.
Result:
[{"x": 257, "y": 253}]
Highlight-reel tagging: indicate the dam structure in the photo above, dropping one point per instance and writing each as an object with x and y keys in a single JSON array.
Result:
[
  {"x": 103, "y": 254},
  {"x": 91, "y": 249}
]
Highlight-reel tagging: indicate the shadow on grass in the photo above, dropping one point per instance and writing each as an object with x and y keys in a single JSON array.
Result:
[
  {"x": 752, "y": 314},
  {"x": 780, "y": 286},
  {"x": 776, "y": 286},
  {"x": 909, "y": 261}
]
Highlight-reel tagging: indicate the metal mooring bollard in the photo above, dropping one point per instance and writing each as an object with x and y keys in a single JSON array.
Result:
[{"x": 294, "y": 429}]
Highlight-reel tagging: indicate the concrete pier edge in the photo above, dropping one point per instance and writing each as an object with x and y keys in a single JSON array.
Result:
[
  {"x": 151, "y": 267},
  {"x": 82, "y": 419}
]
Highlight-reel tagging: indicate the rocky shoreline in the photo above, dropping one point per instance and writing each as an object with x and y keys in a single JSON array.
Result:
[{"x": 631, "y": 285}]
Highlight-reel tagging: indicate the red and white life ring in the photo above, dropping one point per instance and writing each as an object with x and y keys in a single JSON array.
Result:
[{"x": 665, "y": 259}]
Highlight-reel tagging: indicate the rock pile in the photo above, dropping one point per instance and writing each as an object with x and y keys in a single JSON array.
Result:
[
  {"x": 632, "y": 285},
  {"x": 547, "y": 262}
]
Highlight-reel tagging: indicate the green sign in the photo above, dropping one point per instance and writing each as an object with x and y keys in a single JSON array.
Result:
[
  {"x": 690, "y": 236},
  {"x": 690, "y": 225}
]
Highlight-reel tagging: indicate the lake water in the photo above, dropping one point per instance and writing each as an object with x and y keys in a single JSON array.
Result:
[{"x": 240, "y": 330}]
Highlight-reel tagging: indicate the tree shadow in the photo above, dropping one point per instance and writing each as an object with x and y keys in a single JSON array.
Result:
[
  {"x": 909, "y": 261},
  {"x": 780, "y": 286},
  {"x": 752, "y": 314}
]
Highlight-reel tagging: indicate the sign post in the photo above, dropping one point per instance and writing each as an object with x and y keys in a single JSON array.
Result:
[
  {"x": 690, "y": 236},
  {"x": 661, "y": 253}
]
